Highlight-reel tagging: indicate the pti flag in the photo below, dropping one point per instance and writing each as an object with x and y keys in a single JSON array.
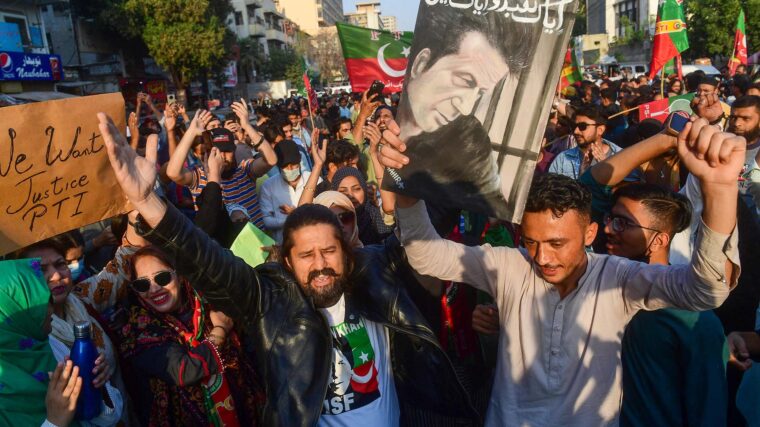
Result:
[
  {"x": 311, "y": 95},
  {"x": 740, "y": 45},
  {"x": 570, "y": 72},
  {"x": 669, "y": 36},
  {"x": 674, "y": 66},
  {"x": 660, "y": 109},
  {"x": 374, "y": 55}
]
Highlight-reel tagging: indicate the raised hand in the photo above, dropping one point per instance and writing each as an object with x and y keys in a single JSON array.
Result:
[
  {"x": 136, "y": 175},
  {"x": 200, "y": 120},
  {"x": 389, "y": 154},
  {"x": 319, "y": 154},
  {"x": 707, "y": 107},
  {"x": 368, "y": 104},
  {"x": 132, "y": 124},
  {"x": 213, "y": 164},
  {"x": 170, "y": 118},
  {"x": 62, "y": 393},
  {"x": 241, "y": 110},
  {"x": 714, "y": 157},
  {"x": 372, "y": 132}
]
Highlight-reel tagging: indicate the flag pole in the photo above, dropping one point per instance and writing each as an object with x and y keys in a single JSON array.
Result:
[{"x": 662, "y": 81}]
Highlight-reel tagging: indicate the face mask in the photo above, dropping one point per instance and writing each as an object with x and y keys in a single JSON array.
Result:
[
  {"x": 290, "y": 175},
  {"x": 76, "y": 268}
]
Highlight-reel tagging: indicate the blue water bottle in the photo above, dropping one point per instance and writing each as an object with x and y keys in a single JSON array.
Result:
[{"x": 83, "y": 354}]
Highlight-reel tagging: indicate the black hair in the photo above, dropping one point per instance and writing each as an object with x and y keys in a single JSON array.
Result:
[
  {"x": 742, "y": 82},
  {"x": 559, "y": 194},
  {"x": 231, "y": 117},
  {"x": 340, "y": 121},
  {"x": 747, "y": 101},
  {"x": 444, "y": 30},
  {"x": 610, "y": 93},
  {"x": 271, "y": 132},
  {"x": 313, "y": 214},
  {"x": 341, "y": 152},
  {"x": 592, "y": 112},
  {"x": 671, "y": 212},
  {"x": 692, "y": 80},
  {"x": 69, "y": 240}
]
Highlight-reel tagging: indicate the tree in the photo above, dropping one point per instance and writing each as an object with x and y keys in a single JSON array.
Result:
[
  {"x": 251, "y": 57},
  {"x": 188, "y": 38},
  {"x": 710, "y": 26},
  {"x": 579, "y": 27},
  {"x": 325, "y": 51},
  {"x": 278, "y": 63}
]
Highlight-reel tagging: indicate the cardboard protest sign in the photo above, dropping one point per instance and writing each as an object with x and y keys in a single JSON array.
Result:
[
  {"x": 248, "y": 245},
  {"x": 478, "y": 91},
  {"x": 54, "y": 170}
]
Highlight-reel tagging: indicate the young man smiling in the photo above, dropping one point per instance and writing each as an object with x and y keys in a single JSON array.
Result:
[{"x": 563, "y": 310}]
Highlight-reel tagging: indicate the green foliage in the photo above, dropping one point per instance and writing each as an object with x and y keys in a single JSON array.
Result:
[
  {"x": 579, "y": 27},
  {"x": 281, "y": 65},
  {"x": 710, "y": 26},
  {"x": 188, "y": 38},
  {"x": 752, "y": 15},
  {"x": 631, "y": 36},
  {"x": 251, "y": 56}
]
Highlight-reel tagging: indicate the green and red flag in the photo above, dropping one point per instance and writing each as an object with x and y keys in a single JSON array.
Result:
[
  {"x": 674, "y": 67},
  {"x": 662, "y": 107},
  {"x": 740, "y": 45},
  {"x": 669, "y": 36},
  {"x": 311, "y": 95},
  {"x": 375, "y": 55},
  {"x": 571, "y": 74}
]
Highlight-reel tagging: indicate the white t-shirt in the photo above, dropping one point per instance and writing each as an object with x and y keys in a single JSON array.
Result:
[{"x": 361, "y": 392}]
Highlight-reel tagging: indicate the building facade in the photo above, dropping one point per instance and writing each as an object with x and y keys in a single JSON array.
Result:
[
  {"x": 389, "y": 23},
  {"x": 311, "y": 15},
  {"x": 615, "y": 17},
  {"x": 367, "y": 15}
]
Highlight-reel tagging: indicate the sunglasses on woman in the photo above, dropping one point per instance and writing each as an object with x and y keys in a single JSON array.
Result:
[
  {"x": 162, "y": 278},
  {"x": 346, "y": 218}
]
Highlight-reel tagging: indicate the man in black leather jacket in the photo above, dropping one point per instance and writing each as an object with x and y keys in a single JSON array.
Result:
[{"x": 377, "y": 355}]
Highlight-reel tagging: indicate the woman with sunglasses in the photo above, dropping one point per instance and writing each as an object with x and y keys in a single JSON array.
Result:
[
  {"x": 189, "y": 364},
  {"x": 346, "y": 213},
  {"x": 369, "y": 219}
]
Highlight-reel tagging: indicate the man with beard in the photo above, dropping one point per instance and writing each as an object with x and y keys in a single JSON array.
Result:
[
  {"x": 745, "y": 121},
  {"x": 320, "y": 319},
  {"x": 673, "y": 360},
  {"x": 562, "y": 311},
  {"x": 238, "y": 181},
  {"x": 590, "y": 124}
]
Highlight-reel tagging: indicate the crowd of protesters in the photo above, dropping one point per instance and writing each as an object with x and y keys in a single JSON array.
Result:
[{"x": 618, "y": 300}]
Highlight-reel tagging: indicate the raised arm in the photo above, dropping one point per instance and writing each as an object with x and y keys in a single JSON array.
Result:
[
  {"x": 175, "y": 169},
  {"x": 156, "y": 112},
  {"x": 226, "y": 281},
  {"x": 318, "y": 154},
  {"x": 715, "y": 158},
  {"x": 614, "y": 169},
  {"x": 268, "y": 156},
  {"x": 374, "y": 134},
  {"x": 170, "y": 123},
  {"x": 134, "y": 131},
  {"x": 368, "y": 107}
]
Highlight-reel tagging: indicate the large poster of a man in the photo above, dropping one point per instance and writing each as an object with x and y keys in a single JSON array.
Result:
[{"x": 479, "y": 85}]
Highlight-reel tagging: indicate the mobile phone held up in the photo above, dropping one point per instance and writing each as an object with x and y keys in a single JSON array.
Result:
[{"x": 376, "y": 88}]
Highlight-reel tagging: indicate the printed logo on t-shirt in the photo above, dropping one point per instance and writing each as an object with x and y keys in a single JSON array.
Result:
[{"x": 353, "y": 383}]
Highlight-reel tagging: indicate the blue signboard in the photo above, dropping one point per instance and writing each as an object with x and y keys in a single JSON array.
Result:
[
  {"x": 30, "y": 66},
  {"x": 10, "y": 37}
]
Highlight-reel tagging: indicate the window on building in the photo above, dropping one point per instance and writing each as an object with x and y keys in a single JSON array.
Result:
[
  {"x": 22, "y": 26},
  {"x": 238, "y": 18}
]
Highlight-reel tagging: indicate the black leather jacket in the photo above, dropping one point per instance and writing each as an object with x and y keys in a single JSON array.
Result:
[{"x": 290, "y": 342}]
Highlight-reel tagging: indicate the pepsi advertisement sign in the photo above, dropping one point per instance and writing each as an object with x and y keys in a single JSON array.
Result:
[{"x": 30, "y": 66}]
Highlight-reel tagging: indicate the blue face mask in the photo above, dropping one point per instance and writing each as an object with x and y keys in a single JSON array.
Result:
[{"x": 76, "y": 268}]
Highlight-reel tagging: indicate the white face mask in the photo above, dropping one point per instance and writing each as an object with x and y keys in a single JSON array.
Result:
[{"x": 290, "y": 175}]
